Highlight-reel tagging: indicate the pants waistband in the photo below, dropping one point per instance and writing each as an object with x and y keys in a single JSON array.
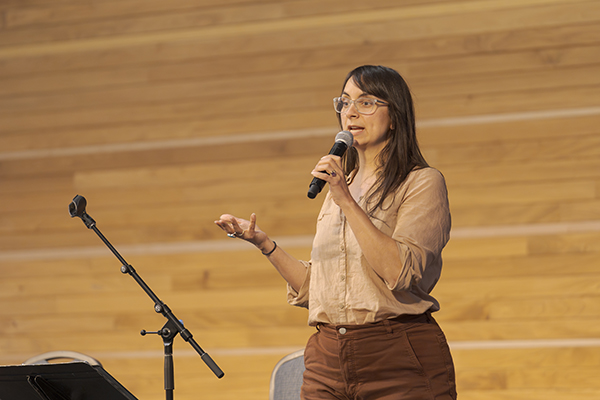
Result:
[{"x": 386, "y": 324}]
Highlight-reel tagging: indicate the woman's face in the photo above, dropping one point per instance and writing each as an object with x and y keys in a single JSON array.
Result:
[{"x": 369, "y": 131}]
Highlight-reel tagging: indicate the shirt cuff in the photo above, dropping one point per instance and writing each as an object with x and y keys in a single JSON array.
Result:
[{"x": 300, "y": 298}]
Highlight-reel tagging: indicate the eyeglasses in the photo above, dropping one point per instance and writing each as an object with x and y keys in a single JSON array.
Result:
[{"x": 364, "y": 105}]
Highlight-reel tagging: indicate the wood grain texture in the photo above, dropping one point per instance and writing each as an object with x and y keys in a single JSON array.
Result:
[{"x": 165, "y": 115}]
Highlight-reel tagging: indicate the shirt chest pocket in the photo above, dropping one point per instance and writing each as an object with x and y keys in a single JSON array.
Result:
[
  {"x": 328, "y": 207},
  {"x": 329, "y": 233}
]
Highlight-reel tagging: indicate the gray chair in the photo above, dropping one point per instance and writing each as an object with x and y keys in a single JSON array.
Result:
[
  {"x": 286, "y": 378},
  {"x": 68, "y": 356}
]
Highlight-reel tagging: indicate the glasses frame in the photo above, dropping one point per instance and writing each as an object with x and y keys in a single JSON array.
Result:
[{"x": 378, "y": 103}]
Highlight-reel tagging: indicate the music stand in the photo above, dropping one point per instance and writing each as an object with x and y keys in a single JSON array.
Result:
[{"x": 65, "y": 381}]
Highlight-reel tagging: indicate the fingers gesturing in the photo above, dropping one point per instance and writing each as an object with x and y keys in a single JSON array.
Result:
[{"x": 238, "y": 227}]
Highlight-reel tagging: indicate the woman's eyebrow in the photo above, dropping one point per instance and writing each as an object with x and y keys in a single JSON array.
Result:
[{"x": 360, "y": 95}]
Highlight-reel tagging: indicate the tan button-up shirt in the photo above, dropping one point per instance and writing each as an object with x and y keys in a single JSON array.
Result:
[{"x": 341, "y": 287}]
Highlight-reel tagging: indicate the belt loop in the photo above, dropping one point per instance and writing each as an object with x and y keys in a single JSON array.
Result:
[
  {"x": 430, "y": 319},
  {"x": 388, "y": 326}
]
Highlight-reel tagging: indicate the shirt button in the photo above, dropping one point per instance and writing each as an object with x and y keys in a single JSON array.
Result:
[
  {"x": 343, "y": 277},
  {"x": 342, "y": 306},
  {"x": 342, "y": 331}
]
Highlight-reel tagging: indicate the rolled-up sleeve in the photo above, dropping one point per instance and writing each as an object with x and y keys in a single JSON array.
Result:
[
  {"x": 300, "y": 298},
  {"x": 422, "y": 230}
]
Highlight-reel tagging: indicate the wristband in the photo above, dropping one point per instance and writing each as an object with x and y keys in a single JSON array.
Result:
[{"x": 271, "y": 252}]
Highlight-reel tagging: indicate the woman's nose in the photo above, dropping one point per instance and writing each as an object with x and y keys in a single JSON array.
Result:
[{"x": 352, "y": 110}]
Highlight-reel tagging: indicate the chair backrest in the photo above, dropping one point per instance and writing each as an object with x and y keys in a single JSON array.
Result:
[
  {"x": 286, "y": 379},
  {"x": 68, "y": 356}
]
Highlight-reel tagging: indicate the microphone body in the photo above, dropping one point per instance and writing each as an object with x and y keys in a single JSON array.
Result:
[{"x": 343, "y": 140}]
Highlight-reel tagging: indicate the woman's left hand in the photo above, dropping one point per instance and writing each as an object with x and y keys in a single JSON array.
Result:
[{"x": 330, "y": 170}]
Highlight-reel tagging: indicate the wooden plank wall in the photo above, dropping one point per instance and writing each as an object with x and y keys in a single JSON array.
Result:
[{"x": 166, "y": 114}]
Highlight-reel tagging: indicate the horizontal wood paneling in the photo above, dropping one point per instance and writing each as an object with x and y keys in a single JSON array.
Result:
[{"x": 165, "y": 115}]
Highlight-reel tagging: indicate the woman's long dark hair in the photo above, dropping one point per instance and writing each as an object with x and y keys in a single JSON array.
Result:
[{"x": 401, "y": 154}]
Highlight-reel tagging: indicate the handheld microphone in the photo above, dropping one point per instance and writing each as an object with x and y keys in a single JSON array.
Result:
[{"x": 343, "y": 140}]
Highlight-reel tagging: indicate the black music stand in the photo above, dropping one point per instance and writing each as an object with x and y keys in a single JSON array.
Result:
[{"x": 65, "y": 381}]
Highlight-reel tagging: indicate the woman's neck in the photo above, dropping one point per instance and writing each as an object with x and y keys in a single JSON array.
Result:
[
  {"x": 367, "y": 160},
  {"x": 365, "y": 176}
]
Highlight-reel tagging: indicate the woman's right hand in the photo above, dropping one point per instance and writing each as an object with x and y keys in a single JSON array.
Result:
[
  {"x": 292, "y": 270},
  {"x": 243, "y": 229}
]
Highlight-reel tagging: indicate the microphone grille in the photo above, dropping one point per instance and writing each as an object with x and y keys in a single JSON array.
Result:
[{"x": 346, "y": 137}]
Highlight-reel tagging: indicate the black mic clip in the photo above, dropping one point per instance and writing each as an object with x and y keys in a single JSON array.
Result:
[{"x": 77, "y": 209}]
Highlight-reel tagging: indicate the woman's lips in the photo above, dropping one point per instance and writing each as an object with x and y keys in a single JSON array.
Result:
[{"x": 355, "y": 129}]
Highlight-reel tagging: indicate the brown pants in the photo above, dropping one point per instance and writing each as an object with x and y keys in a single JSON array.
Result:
[{"x": 403, "y": 359}]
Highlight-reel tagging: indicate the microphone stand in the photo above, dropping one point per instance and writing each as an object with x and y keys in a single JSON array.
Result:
[{"x": 173, "y": 325}]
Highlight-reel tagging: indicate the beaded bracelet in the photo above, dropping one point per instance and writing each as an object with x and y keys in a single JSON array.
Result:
[{"x": 271, "y": 252}]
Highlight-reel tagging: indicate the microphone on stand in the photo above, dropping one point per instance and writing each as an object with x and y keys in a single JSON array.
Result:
[
  {"x": 343, "y": 140},
  {"x": 173, "y": 325}
]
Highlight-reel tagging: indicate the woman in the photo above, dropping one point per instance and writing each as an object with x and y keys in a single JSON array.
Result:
[{"x": 376, "y": 255}]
